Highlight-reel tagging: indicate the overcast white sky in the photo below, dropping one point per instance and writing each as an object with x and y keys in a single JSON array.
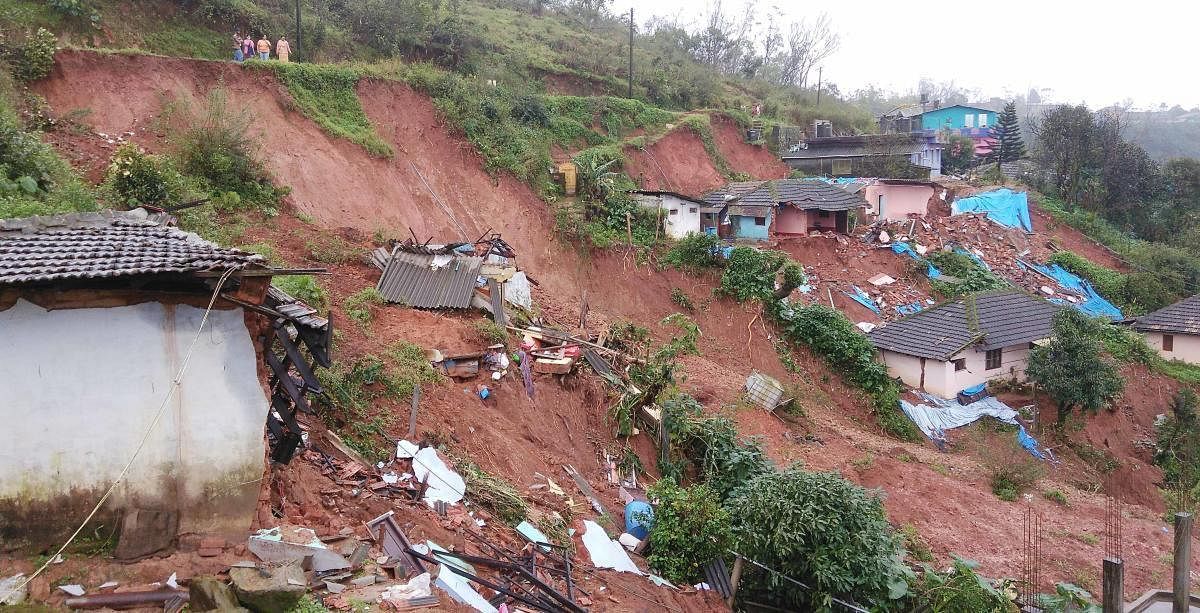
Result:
[{"x": 1099, "y": 52}]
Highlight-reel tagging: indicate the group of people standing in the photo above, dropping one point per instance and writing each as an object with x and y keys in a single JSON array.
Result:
[{"x": 244, "y": 48}]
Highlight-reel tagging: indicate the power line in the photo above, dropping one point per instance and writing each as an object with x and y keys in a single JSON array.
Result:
[{"x": 849, "y": 605}]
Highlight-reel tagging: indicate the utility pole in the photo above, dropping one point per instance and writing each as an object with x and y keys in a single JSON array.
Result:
[
  {"x": 820, "y": 69},
  {"x": 298, "y": 31},
  {"x": 630, "y": 93}
]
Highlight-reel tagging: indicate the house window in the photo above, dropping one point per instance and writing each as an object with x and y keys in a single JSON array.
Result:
[
  {"x": 841, "y": 167},
  {"x": 760, "y": 221},
  {"x": 960, "y": 364},
  {"x": 692, "y": 209},
  {"x": 674, "y": 212},
  {"x": 983, "y": 120},
  {"x": 992, "y": 359},
  {"x": 969, "y": 120},
  {"x": 1168, "y": 342}
]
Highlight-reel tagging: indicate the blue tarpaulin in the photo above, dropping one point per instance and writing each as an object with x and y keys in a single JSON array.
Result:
[
  {"x": 975, "y": 258},
  {"x": 863, "y": 298},
  {"x": 936, "y": 415},
  {"x": 904, "y": 249},
  {"x": 1003, "y": 206},
  {"x": 1093, "y": 303}
]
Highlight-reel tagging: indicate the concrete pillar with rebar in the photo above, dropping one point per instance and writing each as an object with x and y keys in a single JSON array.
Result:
[{"x": 1114, "y": 585}]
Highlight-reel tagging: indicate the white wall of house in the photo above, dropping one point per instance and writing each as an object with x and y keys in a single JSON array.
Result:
[
  {"x": 81, "y": 386},
  {"x": 1185, "y": 347},
  {"x": 940, "y": 377},
  {"x": 679, "y": 216}
]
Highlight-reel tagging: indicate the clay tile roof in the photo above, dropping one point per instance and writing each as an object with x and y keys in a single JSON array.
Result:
[
  {"x": 107, "y": 244},
  {"x": 1183, "y": 317},
  {"x": 992, "y": 320},
  {"x": 794, "y": 192}
]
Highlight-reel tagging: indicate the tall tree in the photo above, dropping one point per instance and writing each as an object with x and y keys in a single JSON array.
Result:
[
  {"x": 1071, "y": 368},
  {"x": 1007, "y": 132}
]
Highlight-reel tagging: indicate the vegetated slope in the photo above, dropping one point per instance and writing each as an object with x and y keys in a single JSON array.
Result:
[{"x": 343, "y": 189}]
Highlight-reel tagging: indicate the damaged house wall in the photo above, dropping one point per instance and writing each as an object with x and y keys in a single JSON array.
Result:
[
  {"x": 897, "y": 202},
  {"x": 81, "y": 386},
  {"x": 939, "y": 377}
]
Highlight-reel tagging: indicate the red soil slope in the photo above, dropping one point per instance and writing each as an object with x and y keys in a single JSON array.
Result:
[
  {"x": 946, "y": 496},
  {"x": 758, "y": 162},
  {"x": 674, "y": 163}
]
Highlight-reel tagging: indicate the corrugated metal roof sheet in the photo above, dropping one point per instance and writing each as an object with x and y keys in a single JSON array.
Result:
[
  {"x": 106, "y": 244},
  {"x": 412, "y": 279}
]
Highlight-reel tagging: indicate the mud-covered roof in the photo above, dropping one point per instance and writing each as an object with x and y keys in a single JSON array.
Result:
[
  {"x": 1183, "y": 317},
  {"x": 995, "y": 319},
  {"x": 107, "y": 244}
]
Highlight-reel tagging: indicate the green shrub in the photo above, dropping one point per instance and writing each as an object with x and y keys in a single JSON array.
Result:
[
  {"x": 960, "y": 590},
  {"x": 31, "y": 59},
  {"x": 971, "y": 276},
  {"x": 1011, "y": 472},
  {"x": 1057, "y": 497},
  {"x": 79, "y": 10},
  {"x": 821, "y": 529},
  {"x": 688, "y": 531},
  {"x": 831, "y": 335},
  {"x": 34, "y": 179},
  {"x": 750, "y": 274},
  {"x": 358, "y": 305},
  {"x": 680, "y": 297},
  {"x": 915, "y": 544},
  {"x": 306, "y": 288},
  {"x": 694, "y": 252},
  {"x": 136, "y": 178},
  {"x": 215, "y": 145},
  {"x": 491, "y": 492},
  {"x": 710, "y": 446}
]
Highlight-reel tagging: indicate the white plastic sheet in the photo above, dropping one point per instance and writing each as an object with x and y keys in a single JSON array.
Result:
[
  {"x": 517, "y": 292},
  {"x": 428, "y": 467},
  {"x": 947, "y": 414},
  {"x": 460, "y": 590},
  {"x": 605, "y": 552}
]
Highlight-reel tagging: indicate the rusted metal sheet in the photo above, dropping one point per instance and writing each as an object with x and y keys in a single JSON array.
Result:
[{"x": 430, "y": 281}]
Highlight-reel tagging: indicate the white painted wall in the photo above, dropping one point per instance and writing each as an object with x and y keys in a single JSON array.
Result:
[
  {"x": 940, "y": 378},
  {"x": 80, "y": 386},
  {"x": 1185, "y": 347},
  {"x": 679, "y": 216}
]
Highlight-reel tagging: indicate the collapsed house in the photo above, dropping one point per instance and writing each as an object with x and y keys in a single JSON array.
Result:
[
  {"x": 758, "y": 210},
  {"x": 435, "y": 276},
  {"x": 1174, "y": 331},
  {"x": 958, "y": 345},
  {"x": 99, "y": 314}
]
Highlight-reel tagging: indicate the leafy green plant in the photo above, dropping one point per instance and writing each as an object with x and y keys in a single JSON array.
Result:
[
  {"x": 750, "y": 274},
  {"x": 1068, "y": 598},
  {"x": 689, "y": 530},
  {"x": 694, "y": 252},
  {"x": 915, "y": 544},
  {"x": 680, "y": 297},
  {"x": 136, "y": 178},
  {"x": 1057, "y": 497},
  {"x": 960, "y": 590},
  {"x": 77, "y": 9},
  {"x": 971, "y": 276},
  {"x": 1071, "y": 369},
  {"x": 1011, "y": 471},
  {"x": 31, "y": 59},
  {"x": 837, "y": 539}
]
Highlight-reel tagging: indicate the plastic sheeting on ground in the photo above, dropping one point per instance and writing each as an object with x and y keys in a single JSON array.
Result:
[
  {"x": 910, "y": 309},
  {"x": 605, "y": 552},
  {"x": 517, "y": 292},
  {"x": 905, "y": 249},
  {"x": 444, "y": 483},
  {"x": 1093, "y": 303},
  {"x": 941, "y": 414},
  {"x": 1003, "y": 206},
  {"x": 861, "y": 297}
]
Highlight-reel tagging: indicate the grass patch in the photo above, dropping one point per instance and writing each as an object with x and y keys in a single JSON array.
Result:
[
  {"x": 490, "y": 331},
  {"x": 1056, "y": 496},
  {"x": 915, "y": 544},
  {"x": 490, "y": 492},
  {"x": 326, "y": 94},
  {"x": 332, "y": 249},
  {"x": 1011, "y": 471},
  {"x": 306, "y": 288},
  {"x": 358, "y": 306},
  {"x": 176, "y": 38}
]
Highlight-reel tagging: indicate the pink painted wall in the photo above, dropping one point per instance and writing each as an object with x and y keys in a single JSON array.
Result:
[
  {"x": 791, "y": 220},
  {"x": 898, "y": 200}
]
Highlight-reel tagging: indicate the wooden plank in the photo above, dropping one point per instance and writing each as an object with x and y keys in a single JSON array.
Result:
[{"x": 497, "y": 296}]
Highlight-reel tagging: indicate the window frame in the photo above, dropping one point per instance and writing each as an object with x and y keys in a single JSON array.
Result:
[
  {"x": 969, "y": 120},
  {"x": 982, "y": 121},
  {"x": 1168, "y": 342},
  {"x": 993, "y": 359},
  {"x": 960, "y": 364},
  {"x": 760, "y": 221}
]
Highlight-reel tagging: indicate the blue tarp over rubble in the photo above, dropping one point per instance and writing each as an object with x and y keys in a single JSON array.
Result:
[
  {"x": 906, "y": 249},
  {"x": 1093, "y": 304},
  {"x": 1003, "y": 206},
  {"x": 936, "y": 415}
]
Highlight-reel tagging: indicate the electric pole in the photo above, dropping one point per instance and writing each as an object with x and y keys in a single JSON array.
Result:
[
  {"x": 820, "y": 69},
  {"x": 298, "y": 31},
  {"x": 630, "y": 94}
]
